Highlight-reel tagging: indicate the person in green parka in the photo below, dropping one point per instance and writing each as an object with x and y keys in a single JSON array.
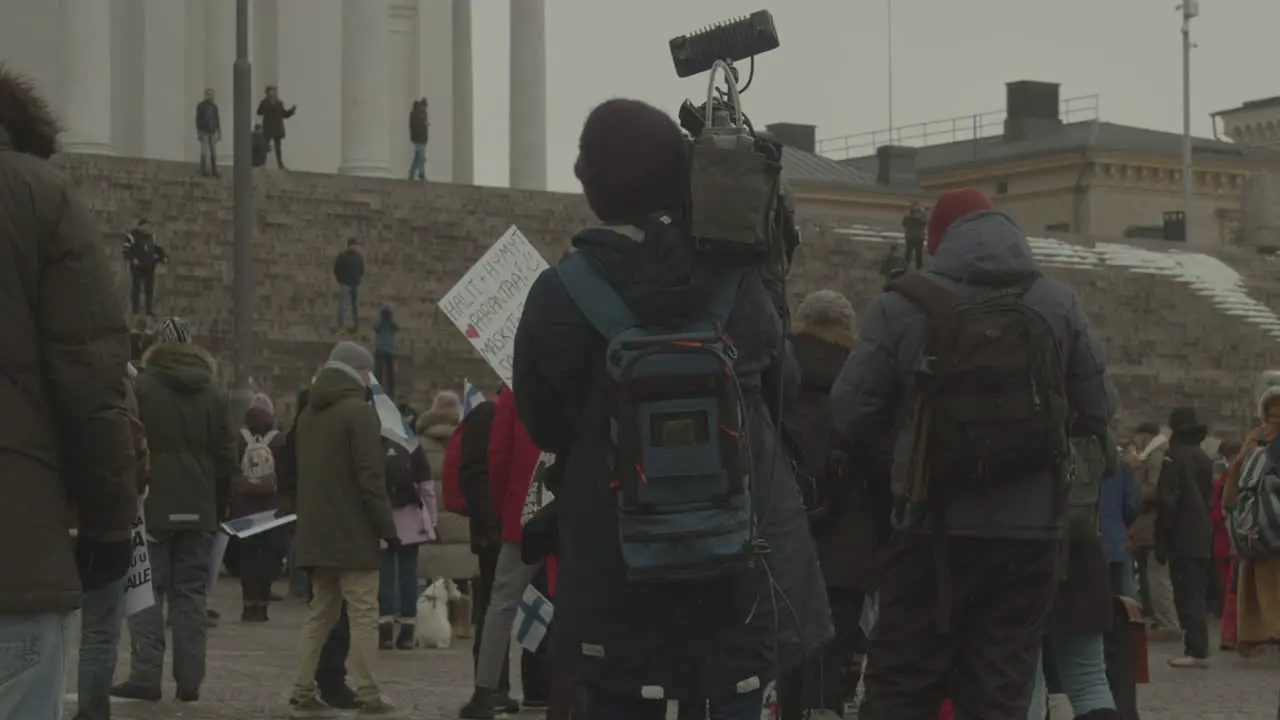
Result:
[{"x": 193, "y": 459}]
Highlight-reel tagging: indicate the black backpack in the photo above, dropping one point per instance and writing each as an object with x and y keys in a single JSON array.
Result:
[
  {"x": 991, "y": 402},
  {"x": 402, "y": 486}
]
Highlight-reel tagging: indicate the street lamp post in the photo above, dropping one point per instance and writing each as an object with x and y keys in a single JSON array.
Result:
[
  {"x": 1190, "y": 9},
  {"x": 242, "y": 298}
]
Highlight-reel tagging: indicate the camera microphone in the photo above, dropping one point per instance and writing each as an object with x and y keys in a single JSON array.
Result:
[{"x": 731, "y": 41}]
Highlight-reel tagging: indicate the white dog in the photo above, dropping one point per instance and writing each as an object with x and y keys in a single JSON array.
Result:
[{"x": 432, "y": 628}]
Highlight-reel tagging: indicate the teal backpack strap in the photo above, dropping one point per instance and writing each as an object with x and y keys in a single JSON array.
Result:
[{"x": 604, "y": 309}]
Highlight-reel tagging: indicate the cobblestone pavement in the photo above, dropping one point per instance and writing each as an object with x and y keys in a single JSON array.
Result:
[{"x": 251, "y": 669}]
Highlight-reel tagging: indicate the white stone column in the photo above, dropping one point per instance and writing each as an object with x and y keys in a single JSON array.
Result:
[
  {"x": 86, "y": 76},
  {"x": 528, "y": 95},
  {"x": 366, "y": 88},
  {"x": 464, "y": 157},
  {"x": 219, "y": 59}
]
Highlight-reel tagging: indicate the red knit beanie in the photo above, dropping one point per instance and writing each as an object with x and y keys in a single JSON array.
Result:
[{"x": 951, "y": 206}]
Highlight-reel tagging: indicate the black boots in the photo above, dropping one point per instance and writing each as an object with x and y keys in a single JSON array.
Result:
[
  {"x": 404, "y": 639},
  {"x": 386, "y": 635},
  {"x": 254, "y": 613},
  {"x": 479, "y": 707}
]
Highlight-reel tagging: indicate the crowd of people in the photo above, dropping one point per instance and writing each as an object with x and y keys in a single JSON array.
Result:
[{"x": 716, "y": 492}]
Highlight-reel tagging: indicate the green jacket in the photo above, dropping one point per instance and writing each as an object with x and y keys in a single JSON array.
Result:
[
  {"x": 342, "y": 505},
  {"x": 193, "y": 449}
]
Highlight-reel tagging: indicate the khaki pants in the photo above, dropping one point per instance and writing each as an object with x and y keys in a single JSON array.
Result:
[
  {"x": 1162, "y": 605},
  {"x": 329, "y": 588}
]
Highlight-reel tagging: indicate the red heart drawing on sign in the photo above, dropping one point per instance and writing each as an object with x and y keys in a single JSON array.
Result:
[{"x": 472, "y": 332}]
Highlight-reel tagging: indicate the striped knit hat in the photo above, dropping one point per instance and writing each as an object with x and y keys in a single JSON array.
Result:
[{"x": 173, "y": 330}]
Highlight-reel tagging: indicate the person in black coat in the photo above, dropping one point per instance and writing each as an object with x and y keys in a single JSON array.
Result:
[
  {"x": 848, "y": 522},
  {"x": 1184, "y": 531},
  {"x": 273, "y": 114},
  {"x": 486, "y": 537},
  {"x": 636, "y": 645}
]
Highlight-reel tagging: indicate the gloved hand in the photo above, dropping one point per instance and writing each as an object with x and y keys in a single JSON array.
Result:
[{"x": 102, "y": 563}]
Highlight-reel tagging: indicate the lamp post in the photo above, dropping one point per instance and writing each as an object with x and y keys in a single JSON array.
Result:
[
  {"x": 1190, "y": 9},
  {"x": 889, "y": 32},
  {"x": 242, "y": 182}
]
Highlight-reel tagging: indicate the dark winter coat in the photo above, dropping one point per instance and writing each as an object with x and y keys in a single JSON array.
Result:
[
  {"x": 1082, "y": 604},
  {"x": 342, "y": 505},
  {"x": 691, "y": 640},
  {"x": 418, "y": 125},
  {"x": 473, "y": 476},
  {"x": 913, "y": 226},
  {"x": 848, "y": 536},
  {"x": 193, "y": 449},
  {"x": 273, "y": 114},
  {"x": 64, "y": 432},
  {"x": 981, "y": 251},
  {"x": 207, "y": 120},
  {"x": 1184, "y": 492},
  {"x": 348, "y": 268}
]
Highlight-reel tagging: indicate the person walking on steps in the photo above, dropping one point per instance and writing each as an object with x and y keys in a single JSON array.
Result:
[
  {"x": 144, "y": 255},
  {"x": 348, "y": 270}
]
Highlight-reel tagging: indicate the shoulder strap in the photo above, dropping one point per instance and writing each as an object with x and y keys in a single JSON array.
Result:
[
  {"x": 266, "y": 439},
  {"x": 925, "y": 294},
  {"x": 725, "y": 295},
  {"x": 248, "y": 436},
  {"x": 604, "y": 309}
]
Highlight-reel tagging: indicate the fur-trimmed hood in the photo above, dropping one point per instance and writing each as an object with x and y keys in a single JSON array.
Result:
[
  {"x": 26, "y": 122},
  {"x": 437, "y": 424},
  {"x": 1264, "y": 398},
  {"x": 184, "y": 367}
]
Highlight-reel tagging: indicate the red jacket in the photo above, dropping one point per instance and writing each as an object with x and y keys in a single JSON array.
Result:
[
  {"x": 1221, "y": 538},
  {"x": 512, "y": 457}
]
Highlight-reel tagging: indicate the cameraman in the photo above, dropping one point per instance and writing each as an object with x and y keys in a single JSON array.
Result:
[{"x": 636, "y": 645}]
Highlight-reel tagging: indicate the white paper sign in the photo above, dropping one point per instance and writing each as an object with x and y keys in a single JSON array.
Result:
[
  {"x": 487, "y": 302},
  {"x": 138, "y": 594},
  {"x": 250, "y": 525}
]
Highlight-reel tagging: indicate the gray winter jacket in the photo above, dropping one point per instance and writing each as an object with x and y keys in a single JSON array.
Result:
[{"x": 981, "y": 251}]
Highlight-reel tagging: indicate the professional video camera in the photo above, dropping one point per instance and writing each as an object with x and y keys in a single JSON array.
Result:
[{"x": 738, "y": 208}]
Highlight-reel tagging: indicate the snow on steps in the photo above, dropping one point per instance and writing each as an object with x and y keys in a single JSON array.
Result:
[{"x": 1207, "y": 276}]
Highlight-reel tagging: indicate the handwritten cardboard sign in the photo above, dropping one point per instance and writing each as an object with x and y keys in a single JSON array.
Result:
[
  {"x": 487, "y": 302},
  {"x": 138, "y": 592}
]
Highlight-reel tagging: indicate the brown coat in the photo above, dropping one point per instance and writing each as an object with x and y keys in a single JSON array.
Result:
[
  {"x": 342, "y": 505},
  {"x": 64, "y": 432}
]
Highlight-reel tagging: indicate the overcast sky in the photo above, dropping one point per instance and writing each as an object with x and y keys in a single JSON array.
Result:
[{"x": 950, "y": 58}]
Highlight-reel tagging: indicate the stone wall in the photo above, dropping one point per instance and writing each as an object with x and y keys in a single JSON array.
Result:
[{"x": 1167, "y": 345}]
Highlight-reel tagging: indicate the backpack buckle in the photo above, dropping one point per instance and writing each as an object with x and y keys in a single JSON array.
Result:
[{"x": 925, "y": 365}]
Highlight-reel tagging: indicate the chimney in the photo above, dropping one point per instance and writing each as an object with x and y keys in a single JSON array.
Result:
[
  {"x": 1031, "y": 110},
  {"x": 896, "y": 165},
  {"x": 795, "y": 135}
]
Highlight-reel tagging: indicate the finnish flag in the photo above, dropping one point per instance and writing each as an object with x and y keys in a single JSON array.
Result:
[
  {"x": 533, "y": 617},
  {"x": 471, "y": 397}
]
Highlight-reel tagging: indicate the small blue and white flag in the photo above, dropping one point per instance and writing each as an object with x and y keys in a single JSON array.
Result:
[
  {"x": 533, "y": 617},
  {"x": 393, "y": 425},
  {"x": 471, "y": 397}
]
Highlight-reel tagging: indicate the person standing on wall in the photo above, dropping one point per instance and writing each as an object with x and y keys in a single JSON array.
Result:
[
  {"x": 913, "y": 227},
  {"x": 419, "y": 129},
  {"x": 385, "y": 330},
  {"x": 348, "y": 270},
  {"x": 144, "y": 255},
  {"x": 273, "y": 114},
  {"x": 209, "y": 131}
]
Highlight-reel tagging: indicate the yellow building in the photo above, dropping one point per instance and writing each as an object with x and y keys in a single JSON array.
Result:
[{"x": 1053, "y": 173}]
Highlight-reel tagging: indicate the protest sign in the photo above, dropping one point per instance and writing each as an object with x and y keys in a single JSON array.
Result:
[
  {"x": 250, "y": 525},
  {"x": 138, "y": 592},
  {"x": 487, "y": 302}
]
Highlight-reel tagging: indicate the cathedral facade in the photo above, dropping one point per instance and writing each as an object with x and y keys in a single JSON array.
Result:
[{"x": 125, "y": 77}]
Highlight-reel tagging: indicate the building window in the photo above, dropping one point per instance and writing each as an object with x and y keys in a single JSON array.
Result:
[
  {"x": 1058, "y": 227},
  {"x": 1002, "y": 188}
]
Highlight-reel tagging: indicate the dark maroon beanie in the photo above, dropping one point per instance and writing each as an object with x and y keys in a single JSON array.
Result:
[{"x": 631, "y": 161}]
